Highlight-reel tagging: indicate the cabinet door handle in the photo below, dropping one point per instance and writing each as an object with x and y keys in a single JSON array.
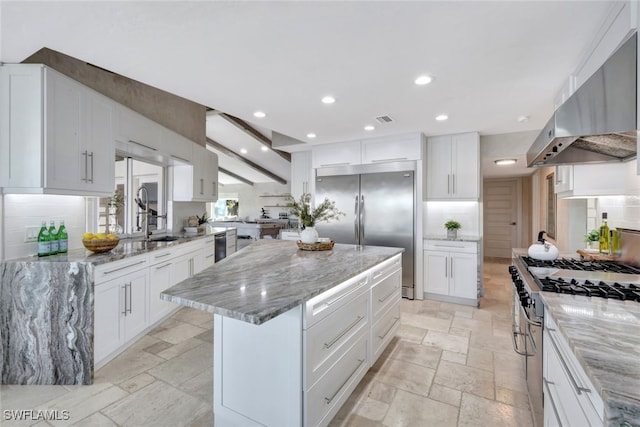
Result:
[
  {"x": 451, "y": 267},
  {"x": 343, "y": 333},
  {"x": 91, "y": 168},
  {"x": 446, "y": 267},
  {"x": 124, "y": 290},
  {"x": 123, "y": 267},
  {"x": 86, "y": 165},
  {"x": 395, "y": 320},
  {"x": 453, "y": 183},
  {"x": 213, "y": 188},
  {"x": 328, "y": 400},
  {"x": 202, "y": 186},
  {"x": 448, "y": 184},
  {"x": 130, "y": 297}
]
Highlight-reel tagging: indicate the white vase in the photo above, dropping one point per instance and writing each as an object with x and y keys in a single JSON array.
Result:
[
  {"x": 309, "y": 235},
  {"x": 452, "y": 234}
]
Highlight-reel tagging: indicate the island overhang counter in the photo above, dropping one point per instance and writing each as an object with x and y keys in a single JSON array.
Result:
[{"x": 294, "y": 331}]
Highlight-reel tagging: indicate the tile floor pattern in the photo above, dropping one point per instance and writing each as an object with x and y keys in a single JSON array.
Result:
[{"x": 450, "y": 365}]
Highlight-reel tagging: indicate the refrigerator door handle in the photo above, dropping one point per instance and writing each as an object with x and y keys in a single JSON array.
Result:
[
  {"x": 356, "y": 216},
  {"x": 362, "y": 214}
]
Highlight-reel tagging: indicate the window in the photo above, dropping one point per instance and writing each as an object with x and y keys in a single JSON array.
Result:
[
  {"x": 225, "y": 208},
  {"x": 121, "y": 213}
]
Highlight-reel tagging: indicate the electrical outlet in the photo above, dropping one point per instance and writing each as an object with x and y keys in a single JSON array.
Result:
[{"x": 31, "y": 233}]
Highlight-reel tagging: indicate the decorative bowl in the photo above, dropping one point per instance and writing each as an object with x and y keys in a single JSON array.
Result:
[
  {"x": 318, "y": 246},
  {"x": 100, "y": 245}
]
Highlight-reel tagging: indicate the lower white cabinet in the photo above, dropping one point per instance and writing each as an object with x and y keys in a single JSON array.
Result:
[
  {"x": 232, "y": 242},
  {"x": 159, "y": 280},
  {"x": 451, "y": 269},
  {"x": 569, "y": 396},
  {"x": 120, "y": 311}
]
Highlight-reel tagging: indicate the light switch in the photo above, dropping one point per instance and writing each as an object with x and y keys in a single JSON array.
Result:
[{"x": 31, "y": 233}]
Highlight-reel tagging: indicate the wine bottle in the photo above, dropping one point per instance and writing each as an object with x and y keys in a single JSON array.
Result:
[
  {"x": 604, "y": 235},
  {"x": 63, "y": 239},
  {"x": 44, "y": 245},
  {"x": 53, "y": 239}
]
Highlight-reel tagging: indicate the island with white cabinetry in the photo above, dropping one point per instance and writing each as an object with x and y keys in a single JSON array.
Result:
[{"x": 295, "y": 333}]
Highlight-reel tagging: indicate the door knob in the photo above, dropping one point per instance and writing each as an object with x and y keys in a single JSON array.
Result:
[{"x": 513, "y": 223}]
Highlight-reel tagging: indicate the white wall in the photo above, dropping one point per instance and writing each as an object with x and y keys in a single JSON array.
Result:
[
  {"x": 435, "y": 214},
  {"x": 622, "y": 211},
  {"x": 25, "y": 210},
  {"x": 249, "y": 200},
  {"x": 181, "y": 211}
]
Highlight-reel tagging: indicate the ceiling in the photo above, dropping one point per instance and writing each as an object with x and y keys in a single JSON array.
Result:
[{"x": 491, "y": 61}]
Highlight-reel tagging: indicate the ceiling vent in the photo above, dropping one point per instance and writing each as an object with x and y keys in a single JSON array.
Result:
[{"x": 384, "y": 119}]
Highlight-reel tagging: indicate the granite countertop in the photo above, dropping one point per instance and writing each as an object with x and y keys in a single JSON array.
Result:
[
  {"x": 460, "y": 238},
  {"x": 604, "y": 335},
  {"x": 125, "y": 249},
  {"x": 271, "y": 277}
]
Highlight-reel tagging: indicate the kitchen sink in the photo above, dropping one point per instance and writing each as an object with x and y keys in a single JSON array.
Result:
[{"x": 165, "y": 239}]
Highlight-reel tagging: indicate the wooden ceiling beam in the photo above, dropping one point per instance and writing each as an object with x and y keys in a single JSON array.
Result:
[
  {"x": 251, "y": 131},
  {"x": 248, "y": 162},
  {"x": 235, "y": 176}
]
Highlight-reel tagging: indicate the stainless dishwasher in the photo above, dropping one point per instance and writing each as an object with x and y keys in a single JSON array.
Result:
[{"x": 221, "y": 246}]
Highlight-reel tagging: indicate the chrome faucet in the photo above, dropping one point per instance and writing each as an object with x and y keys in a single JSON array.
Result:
[{"x": 143, "y": 203}]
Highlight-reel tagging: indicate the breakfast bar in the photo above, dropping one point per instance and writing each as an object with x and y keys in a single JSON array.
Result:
[{"x": 294, "y": 331}]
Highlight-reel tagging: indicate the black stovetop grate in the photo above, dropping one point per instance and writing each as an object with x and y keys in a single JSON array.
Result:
[
  {"x": 574, "y": 264},
  {"x": 618, "y": 291}
]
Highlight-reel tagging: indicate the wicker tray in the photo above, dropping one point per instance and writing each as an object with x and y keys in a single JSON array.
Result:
[
  {"x": 100, "y": 245},
  {"x": 318, "y": 246}
]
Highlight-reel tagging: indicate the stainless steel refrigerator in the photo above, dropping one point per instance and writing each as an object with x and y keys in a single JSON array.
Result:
[{"x": 379, "y": 202}]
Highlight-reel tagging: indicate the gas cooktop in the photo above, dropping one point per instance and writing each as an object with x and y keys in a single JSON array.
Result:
[{"x": 581, "y": 265}]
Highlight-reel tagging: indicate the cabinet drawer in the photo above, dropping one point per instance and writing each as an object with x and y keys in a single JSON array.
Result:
[
  {"x": 120, "y": 268},
  {"x": 379, "y": 272},
  {"x": 450, "y": 246},
  {"x": 163, "y": 255},
  {"x": 386, "y": 292},
  {"x": 384, "y": 330},
  {"x": 319, "y": 307},
  {"x": 325, "y": 398},
  {"x": 325, "y": 341}
]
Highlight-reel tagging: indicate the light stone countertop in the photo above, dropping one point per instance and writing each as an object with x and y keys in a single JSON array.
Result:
[
  {"x": 270, "y": 277},
  {"x": 126, "y": 248},
  {"x": 460, "y": 238},
  {"x": 604, "y": 334}
]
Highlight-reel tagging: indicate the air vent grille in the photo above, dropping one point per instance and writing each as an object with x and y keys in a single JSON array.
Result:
[{"x": 384, "y": 119}]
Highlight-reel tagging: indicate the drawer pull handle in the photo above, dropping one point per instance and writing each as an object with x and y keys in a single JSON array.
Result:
[
  {"x": 356, "y": 287},
  {"x": 386, "y": 270},
  {"x": 328, "y": 400},
  {"x": 163, "y": 266},
  {"x": 163, "y": 255},
  {"x": 393, "y": 291},
  {"x": 578, "y": 388},
  {"x": 552, "y": 399},
  {"x": 123, "y": 267},
  {"x": 209, "y": 256},
  {"x": 395, "y": 320},
  {"x": 343, "y": 333}
]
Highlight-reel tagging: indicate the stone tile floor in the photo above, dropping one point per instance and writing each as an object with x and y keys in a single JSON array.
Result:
[{"x": 450, "y": 365}]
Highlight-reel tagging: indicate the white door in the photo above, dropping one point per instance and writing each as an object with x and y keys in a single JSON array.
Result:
[
  {"x": 500, "y": 217},
  {"x": 463, "y": 275},
  {"x": 436, "y": 277}
]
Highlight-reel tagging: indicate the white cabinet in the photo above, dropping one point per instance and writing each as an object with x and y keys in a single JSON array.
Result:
[
  {"x": 56, "y": 135},
  {"x": 451, "y": 269},
  {"x": 453, "y": 167},
  {"x": 159, "y": 280},
  {"x": 136, "y": 129},
  {"x": 337, "y": 154},
  {"x": 302, "y": 180},
  {"x": 570, "y": 397},
  {"x": 386, "y": 293},
  {"x": 392, "y": 148},
  {"x": 232, "y": 242},
  {"x": 198, "y": 181},
  {"x": 121, "y": 310},
  {"x": 176, "y": 146},
  {"x": 603, "y": 179},
  {"x": 204, "y": 257}
]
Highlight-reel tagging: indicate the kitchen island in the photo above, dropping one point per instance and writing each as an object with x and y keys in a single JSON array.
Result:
[
  {"x": 603, "y": 336},
  {"x": 294, "y": 331}
]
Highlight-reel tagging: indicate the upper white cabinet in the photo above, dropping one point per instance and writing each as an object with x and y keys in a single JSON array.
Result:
[
  {"x": 338, "y": 154},
  {"x": 134, "y": 128},
  {"x": 176, "y": 146},
  {"x": 56, "y": 135},
  {"x": 392, "y": 148},
  {"x": 301, "y": 174},
  {"x": 604, "y": 179},
  {"x": 453, "y": 167},
  {"x": 198, "y": 181}
]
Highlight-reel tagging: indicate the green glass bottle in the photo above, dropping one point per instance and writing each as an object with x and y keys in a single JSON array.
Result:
[
  {"x": 44, "y": 245},
  {"x": 604, "y": 235},
  {"x": 53, "y": 239},
  {"x": 63, "y": 239}
]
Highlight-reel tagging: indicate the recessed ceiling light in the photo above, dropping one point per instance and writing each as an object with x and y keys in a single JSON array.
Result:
[
  {"x": 442, "y": 117},
  {"x": 311, "y": 135},
  {"x": 328, "y": 100},
  {"x": 503, "y": 162},
  {"x": 260, "y": 114},
  {"x": 522, "y": 119},
  {"x": 369, "y": 128},
  {"x": 423, "y": 80},
  {"x": 264, "y": 148},
  {"x": 243, "y": 150}
]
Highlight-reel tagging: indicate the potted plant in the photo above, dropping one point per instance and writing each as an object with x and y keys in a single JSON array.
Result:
[
  {"x": 308, "y": 217},
  {"x": 592, "y": 239},
  {"x": 452, "y": 228}
]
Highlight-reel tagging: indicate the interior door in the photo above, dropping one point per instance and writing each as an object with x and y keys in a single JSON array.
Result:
[
  {"x": 344, "y": 190},
  {"x": 500, "y": 217},
  {"x": 388, "y": 215}
]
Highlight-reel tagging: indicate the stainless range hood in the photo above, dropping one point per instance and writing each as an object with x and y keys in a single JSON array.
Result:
[{"x": 598, "y": 123}]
